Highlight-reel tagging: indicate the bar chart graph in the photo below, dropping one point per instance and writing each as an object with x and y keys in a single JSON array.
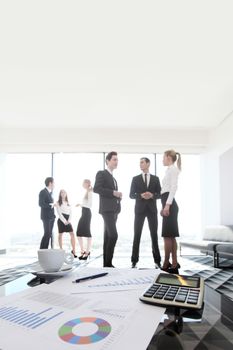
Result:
[
  {"x": 27, "y": 318},
  {"x": 126, "y": 282}
]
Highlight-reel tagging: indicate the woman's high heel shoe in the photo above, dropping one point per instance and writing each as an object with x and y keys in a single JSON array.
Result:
[
  {"x": 72, "y": 252},
  {"x": 174, "y": 269},
  {"x": 82, "y": 255},
  {"x": 166, "y": 267},
  {"x": 85, "y": 256}
]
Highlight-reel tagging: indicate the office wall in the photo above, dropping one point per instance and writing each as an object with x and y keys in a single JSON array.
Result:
[
  {"x": 217, "y": 164},
  {"x": 3, "y": 234},
  {"x": 226, "y": 187},
  {"x": 220, "y": 139},
  {"x": 210, "y": 189}
]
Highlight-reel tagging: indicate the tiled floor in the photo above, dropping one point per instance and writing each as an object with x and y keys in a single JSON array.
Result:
[
  {"x": 20, "y": 260},
  {"x": 22, "y": 255},
  {"x": 17, "y": 256},
  {"x": 220, "y": 279}
]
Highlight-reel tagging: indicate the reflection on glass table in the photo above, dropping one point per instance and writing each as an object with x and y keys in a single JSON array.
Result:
[
  {"x": 22, "y": 283},
  {"x": 208, "y": 328}
]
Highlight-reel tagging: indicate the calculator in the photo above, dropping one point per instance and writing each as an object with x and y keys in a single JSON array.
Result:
[{"x": 175, "y": 291}]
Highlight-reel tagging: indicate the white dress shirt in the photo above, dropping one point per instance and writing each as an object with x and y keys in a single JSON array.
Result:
[
  {"x": 148, "y": 178},
  {"x": 114, "y": 180},
  {"x": 87, "y": 202},
  {"x": 110, "y": 171},
  {"x": 170, "y": 181},
  {"x": 64, "y": 209}
]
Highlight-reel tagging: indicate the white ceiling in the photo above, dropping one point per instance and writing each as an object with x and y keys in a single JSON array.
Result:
[{"x": 150, "y": 64}]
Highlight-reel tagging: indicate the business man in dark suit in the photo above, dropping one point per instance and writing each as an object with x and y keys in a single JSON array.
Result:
[
  {"x": 47, "y": 211},
  {"x": 109, "y": 206},
  {"x": 145, "y": 188}
]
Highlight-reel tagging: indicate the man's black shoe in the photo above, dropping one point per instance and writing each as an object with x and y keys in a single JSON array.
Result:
[{"x": 134, "y": 265}]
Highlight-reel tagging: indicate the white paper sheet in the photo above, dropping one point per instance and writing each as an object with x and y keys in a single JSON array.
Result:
[
  {"x": 116, "y": 280},
  {"x": 44, "y": 317}
]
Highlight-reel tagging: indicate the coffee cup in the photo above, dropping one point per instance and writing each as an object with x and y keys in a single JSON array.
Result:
[{"x": 51, "y": 260}]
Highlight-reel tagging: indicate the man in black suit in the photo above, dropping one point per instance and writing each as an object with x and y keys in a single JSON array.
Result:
[
  {"x": 145, "y": 188},
  {"x": 47, "y": 211},
  {"x": 109, "y": 206}
]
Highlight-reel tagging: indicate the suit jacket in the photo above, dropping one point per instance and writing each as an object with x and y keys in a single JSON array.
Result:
[
  {"x": 138, "y": 187},
  {"x": 45, "y": 197},
  {"x": 104, "y": 186}
]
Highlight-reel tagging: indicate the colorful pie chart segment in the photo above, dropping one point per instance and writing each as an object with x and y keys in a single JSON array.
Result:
[{"x": 66, "y": 331}]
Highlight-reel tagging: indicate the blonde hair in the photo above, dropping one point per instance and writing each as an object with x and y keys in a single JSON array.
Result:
[{"x": 175, "y": 156}]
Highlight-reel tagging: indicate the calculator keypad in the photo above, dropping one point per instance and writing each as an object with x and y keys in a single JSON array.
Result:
[{"x": 171, "y": 293}]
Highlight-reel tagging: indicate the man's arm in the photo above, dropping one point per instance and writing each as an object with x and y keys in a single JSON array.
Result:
[
  {"x": 156, "y": 189},
  {"x": 133, "y": 190},
  {"x": 157, "y": 193},
  {"x": 43, "y": 200},
  {"x": 99, "y": 186}
]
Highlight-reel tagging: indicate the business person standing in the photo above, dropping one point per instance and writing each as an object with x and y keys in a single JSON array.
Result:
[
  {"x": 47, "y": 211},
  {"x": 145, "y": 188},
  {"x": 169, "y": 212},
  {"x": 109, "y": 206}
]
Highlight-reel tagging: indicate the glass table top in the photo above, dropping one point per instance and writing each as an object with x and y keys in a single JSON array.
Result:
[{"x": 209, "y": 328}]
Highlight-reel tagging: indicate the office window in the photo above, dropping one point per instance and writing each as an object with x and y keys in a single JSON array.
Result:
[
  {"x": 25, "y": 175},
  {"x": 70, "y": 169}
]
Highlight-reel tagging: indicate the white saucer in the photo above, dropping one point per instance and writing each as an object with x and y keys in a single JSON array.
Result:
[{"x": 64, "y": 271}]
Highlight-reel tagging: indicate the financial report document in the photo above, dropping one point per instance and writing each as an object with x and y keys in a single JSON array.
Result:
[{"x": 57, "y": 316}]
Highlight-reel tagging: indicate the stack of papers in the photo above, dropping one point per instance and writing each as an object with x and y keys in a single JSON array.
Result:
[{"x": 103, "y": 313}]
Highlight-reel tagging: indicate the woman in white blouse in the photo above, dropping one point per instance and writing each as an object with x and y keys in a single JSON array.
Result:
[
  {"x": 84, "y": 224},
  {"x": 170, "y": 209},
  {"x": 64, "y": 222}
]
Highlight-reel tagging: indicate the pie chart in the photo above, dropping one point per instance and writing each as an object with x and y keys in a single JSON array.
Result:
[{"x": 67, "y": 334}]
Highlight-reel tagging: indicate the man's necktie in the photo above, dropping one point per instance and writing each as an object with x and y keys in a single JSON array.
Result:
[{"x": 146, "y": 180}]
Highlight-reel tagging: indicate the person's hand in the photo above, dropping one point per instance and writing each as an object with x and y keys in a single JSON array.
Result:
[
  {"x": 117, "y": 194},
  {"x": 77, "y": 205},
  {"x": 166, "y": 210},
  {"x": 147, "y": 195}
]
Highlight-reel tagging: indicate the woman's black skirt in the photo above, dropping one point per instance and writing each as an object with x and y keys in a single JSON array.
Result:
[
  {"x": 62, "y": 227},
  {"x": 84, "y": 224},
  {"x": 170, "y": 223}
]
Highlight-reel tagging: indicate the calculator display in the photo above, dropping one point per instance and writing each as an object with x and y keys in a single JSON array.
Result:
[{"x": 178, "y": 280}]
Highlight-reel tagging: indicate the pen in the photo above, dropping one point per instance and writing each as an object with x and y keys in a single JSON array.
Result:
[{"x": 90, "y": 277}]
